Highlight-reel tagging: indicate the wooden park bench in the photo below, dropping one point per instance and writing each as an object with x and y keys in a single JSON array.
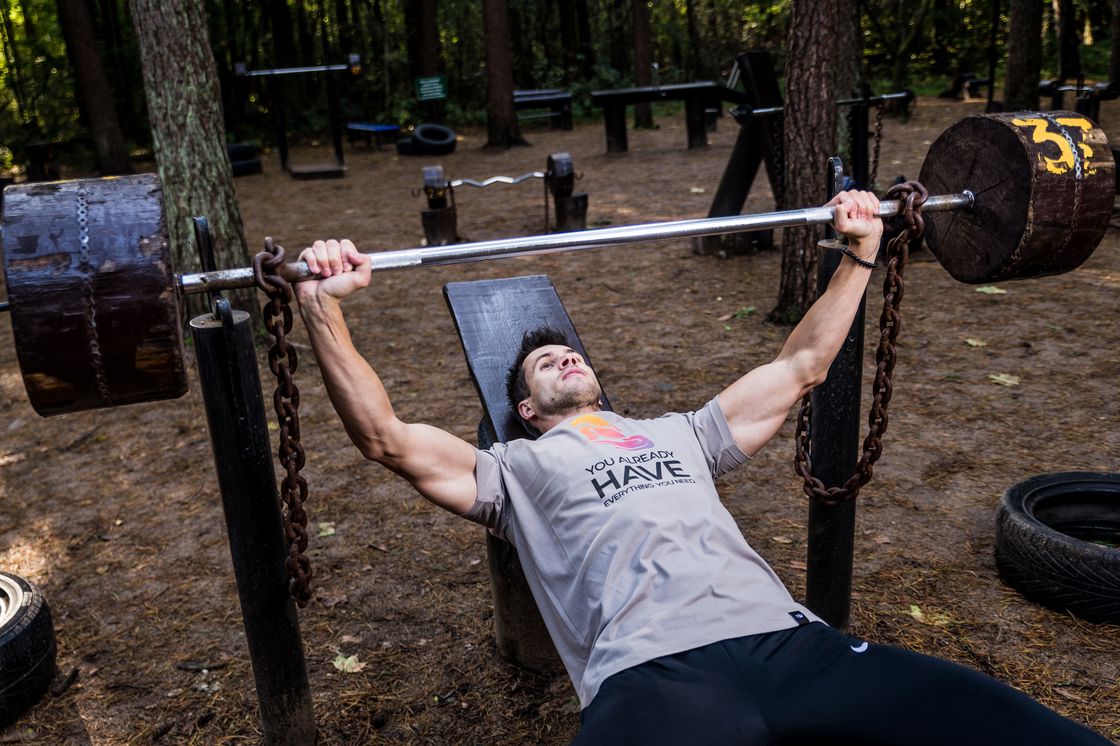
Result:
[
  {"x": 557, "y": 101},
  {"x": 698, "y": 99}
]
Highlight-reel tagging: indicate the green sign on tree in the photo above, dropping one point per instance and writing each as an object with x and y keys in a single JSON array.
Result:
[{"x": 433, "y": 88}]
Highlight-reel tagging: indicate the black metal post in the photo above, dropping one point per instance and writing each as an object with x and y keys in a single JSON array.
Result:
[
  {"x": 834, "y": 452},
  {"x": 231, "y": 390}
]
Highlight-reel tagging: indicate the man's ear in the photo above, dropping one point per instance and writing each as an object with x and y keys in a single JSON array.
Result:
[{"x": 525, "y": 409}]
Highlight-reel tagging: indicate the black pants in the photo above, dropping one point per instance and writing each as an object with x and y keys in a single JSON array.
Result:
[{"x": 813, "y": 685}]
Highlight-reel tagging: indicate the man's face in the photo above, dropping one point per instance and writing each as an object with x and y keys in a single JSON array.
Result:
[{"x": 559, "y": 382}]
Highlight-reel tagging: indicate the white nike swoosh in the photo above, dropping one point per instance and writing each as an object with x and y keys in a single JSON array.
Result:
[{"x": 861, "y": 648}]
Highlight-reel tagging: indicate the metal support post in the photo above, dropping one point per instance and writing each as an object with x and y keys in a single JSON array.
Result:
[
  {"x": 834, "y": 453},
  {"x": 231, "y": 391}
]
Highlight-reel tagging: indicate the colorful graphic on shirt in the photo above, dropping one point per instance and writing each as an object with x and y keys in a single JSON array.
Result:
[{"x": 597, "y": 430}]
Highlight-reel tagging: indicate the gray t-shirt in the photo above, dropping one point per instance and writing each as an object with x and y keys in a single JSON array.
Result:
[{"x": 627, "y": 548}]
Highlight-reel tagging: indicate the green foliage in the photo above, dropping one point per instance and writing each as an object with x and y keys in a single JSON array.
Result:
[{"x": 691, "y": 40}]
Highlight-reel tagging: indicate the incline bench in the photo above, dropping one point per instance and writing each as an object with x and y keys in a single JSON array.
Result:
[
  {"x": 491, "y": 316},
  {"x": 556, "y": 100},
  {"x": 697, "y": 97}
]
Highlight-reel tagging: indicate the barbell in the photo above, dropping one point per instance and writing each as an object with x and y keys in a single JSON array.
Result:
[{"x": 95, "y": 302}]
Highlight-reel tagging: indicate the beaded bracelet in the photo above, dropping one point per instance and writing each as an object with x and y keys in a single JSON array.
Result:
[{"x": 861, "y": 262}]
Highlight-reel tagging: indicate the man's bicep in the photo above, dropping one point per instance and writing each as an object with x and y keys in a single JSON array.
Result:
[{"x": 757, "y": 404}]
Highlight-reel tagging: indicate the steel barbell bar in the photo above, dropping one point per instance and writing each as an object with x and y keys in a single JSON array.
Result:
[
  {"x": 230, "y": 279},
  {"x": 95, "y": 300}
]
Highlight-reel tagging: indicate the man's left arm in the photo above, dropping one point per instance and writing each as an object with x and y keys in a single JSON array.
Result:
[{"x": 757, "y": 404}]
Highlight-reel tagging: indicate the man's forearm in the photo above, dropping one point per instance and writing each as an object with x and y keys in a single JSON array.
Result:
[
  {"x": 354, "y": 388},
  {"x": 817, "y": 339}
]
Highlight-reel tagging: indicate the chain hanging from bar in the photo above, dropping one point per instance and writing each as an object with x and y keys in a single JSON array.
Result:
[
  {"x": 898, "y": 251},
  {"x": 277, "y": 313}
]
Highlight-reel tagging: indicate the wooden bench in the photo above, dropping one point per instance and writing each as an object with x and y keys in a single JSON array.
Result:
[
  {"x": 557, "y": 101},
  {"x": 698, "y": 98},
  {"x": 491, "y": 317}
]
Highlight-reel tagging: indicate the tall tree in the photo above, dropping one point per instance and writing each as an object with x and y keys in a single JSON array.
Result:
[
  {"x": 643, "y": 60},
  {"x": 185, "y": 113},
  {"x": 1068, "y": 42},
  {"x": 1024, "y": 55},
  {"x": 814, "y": 55},
  {"x": 93, "y": 87},
  {"x": 1114, "y": 52},
  {"x": 503, "y": 131}
]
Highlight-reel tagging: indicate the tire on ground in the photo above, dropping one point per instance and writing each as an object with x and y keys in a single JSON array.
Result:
[
  {"x": 1056, "y": 537},
  {"x": 433, "y": 139},
  {"x": 27, "y": 647}
]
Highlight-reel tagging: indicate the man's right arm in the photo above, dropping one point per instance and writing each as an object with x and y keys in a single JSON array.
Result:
[{"x": 438, "y": 464}]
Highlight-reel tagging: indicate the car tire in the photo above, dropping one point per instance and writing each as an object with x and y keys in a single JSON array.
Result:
[
  {"x": 1056, "y": 542},
  {"x": 433, "y": 139},
  {"x": 27, "y": 647}
]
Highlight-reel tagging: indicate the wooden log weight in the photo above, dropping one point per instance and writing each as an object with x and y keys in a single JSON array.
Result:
[
  {"x": 94, "y": 312},
  {"x": 1044, "y": 184}
]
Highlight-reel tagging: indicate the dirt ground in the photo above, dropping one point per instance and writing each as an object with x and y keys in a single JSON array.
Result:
[{"x": 116, "y": 514}]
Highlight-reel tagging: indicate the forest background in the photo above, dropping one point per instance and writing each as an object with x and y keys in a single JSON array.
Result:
[{"x": 581, "y": 45}]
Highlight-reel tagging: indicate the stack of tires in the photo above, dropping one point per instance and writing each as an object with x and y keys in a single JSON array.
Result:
[
  {"x": 428, "y": 139},
  {"x": 243, "y": 158},
  {"x": 27, "y": 647}
]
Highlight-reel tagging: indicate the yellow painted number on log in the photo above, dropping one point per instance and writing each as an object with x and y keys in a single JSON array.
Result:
[{"x": 1065, "y": 160}]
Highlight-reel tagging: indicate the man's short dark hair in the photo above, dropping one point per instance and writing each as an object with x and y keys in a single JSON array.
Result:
[{"x": 517, "y": 389}]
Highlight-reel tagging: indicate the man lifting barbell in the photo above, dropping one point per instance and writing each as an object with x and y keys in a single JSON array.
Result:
[{"x": 671, "y": 627}]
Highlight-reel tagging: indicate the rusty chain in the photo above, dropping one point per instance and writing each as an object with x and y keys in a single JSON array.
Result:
[
  {"x": 277, "y": 313},
  {"x": 890, "y": 322}
]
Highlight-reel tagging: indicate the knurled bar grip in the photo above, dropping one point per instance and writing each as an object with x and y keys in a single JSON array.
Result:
[{"x": 192, "y": 284}]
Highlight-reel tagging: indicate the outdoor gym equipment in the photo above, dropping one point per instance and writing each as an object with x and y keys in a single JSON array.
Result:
[
  {"x": 321, "y": 171},
  {"x": 90, "y": 278},
  {"x": 698, "y": 98},
  {"x": 94, "y": 304},
  {"x": 440, "y": 219}
]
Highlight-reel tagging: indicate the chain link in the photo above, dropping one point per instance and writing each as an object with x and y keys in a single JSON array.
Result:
[
  {"x": 890, "y": 323},
  {"x": 277, "y": 313}
]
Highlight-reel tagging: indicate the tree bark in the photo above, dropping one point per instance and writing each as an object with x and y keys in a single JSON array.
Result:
[
  {"x": 1114, "y": 51},
  {"x": 1069, "y": 39},
  {"x": 1024, "y": 55},
  {"x": 93, "y": 87},
  {"x": 694, "y": 42},
  {"x": 814, "y": 56},
  {"x": 643, "y": 113},
  {"x": 185, "y": 113},
  {"x": 502, "y": 127},
  {"x": 586, "y": 47},
  {"x": 566, "y": 10},
  {"x": 283, "y": 38}
]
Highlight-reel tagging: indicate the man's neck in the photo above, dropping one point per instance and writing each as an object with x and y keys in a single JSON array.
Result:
[{"x": 546, "y": 423}]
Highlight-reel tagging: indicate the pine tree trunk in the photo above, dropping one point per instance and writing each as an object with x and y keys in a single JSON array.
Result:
[
  {"x": 503, "y": 129},
  {"x": 814, "y": 55},
  {"x": 1024, "y": 55},
  {"x": 93, "y": 87},
  {"x": 1069, "y": 39},
  {"x": 586, "y": 45},
  {"x": 185, "y": 113},
  {"x": 1114, "y": 51},
  {"x": 643, "y": 113}
]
